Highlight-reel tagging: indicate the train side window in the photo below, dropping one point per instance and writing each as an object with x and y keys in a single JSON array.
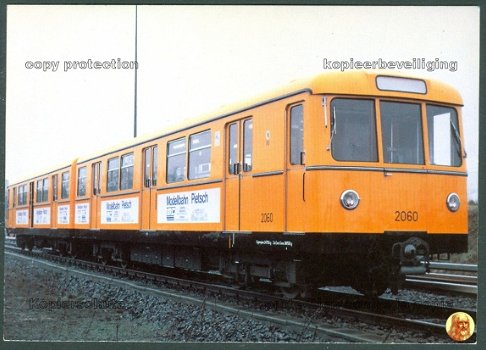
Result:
[
  {"x": 146, "y": 160},
  {"x": 150, "y": 159},
  {"x": 14, "y": 196},
  {"x": 96, "y": 171},
  {"x": 233, "y": 148},
  {"x": 54, "y": 188},
  {"x": 65, "y": 185},
  {"x": 126, "y": 177},
  {"x": 176, "y": 160},
  {"x": 247, "y": 145},
  {"x": 42, "y": 190},
  {"x": 7, "y": 200},
  {"x": 155, "y": 163},
  {"x": 24, "y": 194},
  {"x": 401, "y": 126},
  {"x": 444, "y": 139},
  {"x": 82, "y": 182},
  {"x": 21, "y": 198},
  {"x": 45, "y": 190},
  {"x": 39, "y": 191},
  {"x": 353, "y": 130},
  {"x": 113, "y": 174},
  {"x": 200, "y": 155},
  {"x": 296, "y": 134}
]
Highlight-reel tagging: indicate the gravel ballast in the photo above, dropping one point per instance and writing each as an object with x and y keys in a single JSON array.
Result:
[{"x": 44, "y": 304}]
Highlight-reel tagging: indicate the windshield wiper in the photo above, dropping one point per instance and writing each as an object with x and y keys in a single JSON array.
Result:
[
  {"x": 458, "y": 140},
  {"x": 333, "y": 127}
]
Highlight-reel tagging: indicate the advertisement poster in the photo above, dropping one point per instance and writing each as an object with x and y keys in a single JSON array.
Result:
[
  {"x": 42, "y": 216},
  {"x": 202, "y": 206},
  {"x": 120, "y": 211},
  {"x": 82, "y": 213},
  {"x": 22, "y": 217},
  {"x": 63, "y": 214}
]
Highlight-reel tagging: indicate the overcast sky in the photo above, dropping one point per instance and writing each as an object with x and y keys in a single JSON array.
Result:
[{"x": 193, "y": 59}]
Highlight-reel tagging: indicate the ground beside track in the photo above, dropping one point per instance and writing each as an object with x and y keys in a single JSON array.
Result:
[{"x": 98, "y": 311}]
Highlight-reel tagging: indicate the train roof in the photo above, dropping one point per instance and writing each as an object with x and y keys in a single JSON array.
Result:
[{"x": 360, "y": 83}]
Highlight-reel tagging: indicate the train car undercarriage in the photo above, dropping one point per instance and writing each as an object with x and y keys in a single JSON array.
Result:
[{"x": 296, "y": 264}]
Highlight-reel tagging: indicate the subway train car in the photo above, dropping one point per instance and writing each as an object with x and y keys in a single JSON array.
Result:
[{"x": 342, "y": 179}]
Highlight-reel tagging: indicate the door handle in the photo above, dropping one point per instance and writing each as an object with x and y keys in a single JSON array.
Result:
[{"x": 303, "y": 187}]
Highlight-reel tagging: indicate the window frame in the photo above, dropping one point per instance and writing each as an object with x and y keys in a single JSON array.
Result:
[
  {"x": 292, "y": 161},
  {"x": 374, "y": 118},
  {"x": 45, "y": 191},
  {"x": 430, "y": 141},
  {"x": 96, "y": 176},
  {"x": 197, "y": 149},
  {"x": 21, "y": 195},
  {"x": 420, "y": 123},
  {"x": 55, "y": 194},
  {"x": 247, "y": 167},
  {"x": 112, "y": 171},
  {"x": 233, "y": 135},
  {"x": 130, "y": 174},
  {"x": 150, "y": 164},
  {"x": 38, "y": 191},
  {"x": 65, "y": 190},
  {"x": 42, "y": 190},
  {"x": 82, "y": 180},
  {"x": 170, "y": 156},
  {"x": 155, "y": 164}
]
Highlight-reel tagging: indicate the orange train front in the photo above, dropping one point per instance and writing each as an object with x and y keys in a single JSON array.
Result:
[{"x": 342, "y": 179}]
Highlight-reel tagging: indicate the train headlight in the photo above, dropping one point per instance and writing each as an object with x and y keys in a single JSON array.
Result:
[
  {"x": 453, "y": 202},
  {"x": 349, "y": 199}
]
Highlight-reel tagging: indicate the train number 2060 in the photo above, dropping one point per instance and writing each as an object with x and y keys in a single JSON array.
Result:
[
  {"x": 266, "y": 217},
  {"x": 406, "y": 215}
]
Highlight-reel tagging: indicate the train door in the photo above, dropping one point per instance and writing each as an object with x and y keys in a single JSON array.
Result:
[
  {"x": 238, "y": 165},
  {"x": 232, "y": 188},
  {"x": 54, "y": 181},
  {"x": 96, "y": 190},
  {"x": 149, "y": 188},
  {"x": 7, "y": 209},
  {"x": 295, "y": 169},
  {"x": 31, "y": 203}
]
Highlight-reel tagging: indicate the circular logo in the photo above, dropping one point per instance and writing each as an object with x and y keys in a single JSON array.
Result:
[{"x": 460, "y": 326}]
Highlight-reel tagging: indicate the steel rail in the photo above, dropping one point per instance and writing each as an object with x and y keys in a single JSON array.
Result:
[{"x": 315, "y": 308}]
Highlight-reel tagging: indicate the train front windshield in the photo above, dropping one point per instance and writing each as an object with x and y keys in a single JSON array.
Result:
[{"x": 354, "y": 132}]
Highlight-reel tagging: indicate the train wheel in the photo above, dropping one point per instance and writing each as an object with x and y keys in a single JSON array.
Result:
[
  {"x": 291, "y": 292},
  {"x": 125, "y": 258},
  {"x": 309, "y": 291},
  {"x": 373, "y": 290},
  {"x": 245, "y": 279},
  {"x": 30, "y": 245},
  {"x": 372, "y": 285},
  {"x": 62, "y": 250},
  {"x": 124, "y": 263},
  {"x": 73, "y": 251},
  {"x": 105, "y": 257},
  {"x": 22, "y": 245}
]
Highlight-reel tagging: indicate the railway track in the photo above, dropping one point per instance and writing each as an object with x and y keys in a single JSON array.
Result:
[
  {"x": 441, "y": 278},
  {"x": 274, "y": 309},
  {"x": 435, "y": 280}
]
